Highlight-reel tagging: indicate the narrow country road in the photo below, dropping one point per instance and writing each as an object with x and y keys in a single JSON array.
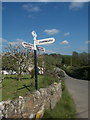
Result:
[{"x": 79, "y": 91}]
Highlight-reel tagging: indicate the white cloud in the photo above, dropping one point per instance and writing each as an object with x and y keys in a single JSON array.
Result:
[
  {"x": 49, "y": 51},
  {"x": 13, "y": 43},
  {"x": 20, "y": 40},
  {"x": 65, "y": 42},
  {"x": 76, "y": 5},
  {"x": 31, "y": 8},
  {"x": 4, "y": 41},
  {"x": 17, "y": 42},
  {"x": 67, "y": 33},
  {"x": 51, "y": 31}
]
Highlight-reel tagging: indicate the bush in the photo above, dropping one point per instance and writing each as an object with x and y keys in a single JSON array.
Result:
[
  {"x": 63, "y": 84},
  {"x": 65, "y": 108},
  {"x": 48, "y": 80},
  {"x": 78, "y": 72}
]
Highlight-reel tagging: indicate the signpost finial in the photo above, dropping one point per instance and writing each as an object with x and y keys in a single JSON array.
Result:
[
  {"x": 35, "y": 48},
  {"x": 34, "y": 35}
]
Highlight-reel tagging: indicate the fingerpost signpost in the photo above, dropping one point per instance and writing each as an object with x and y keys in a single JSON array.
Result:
[{"x": 35, "y": 48}]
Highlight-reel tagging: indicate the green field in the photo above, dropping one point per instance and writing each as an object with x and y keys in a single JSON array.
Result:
[{"x": 12, "y": 87}]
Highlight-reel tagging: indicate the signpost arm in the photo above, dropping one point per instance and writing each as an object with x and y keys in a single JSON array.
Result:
[
  {"x": 31, "y": 46},
  {"x": 35, "y": 69},
  {"x": 38, "y": 42}
]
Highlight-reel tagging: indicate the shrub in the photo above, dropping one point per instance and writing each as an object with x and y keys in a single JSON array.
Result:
[{"x": 78, "y": 72}]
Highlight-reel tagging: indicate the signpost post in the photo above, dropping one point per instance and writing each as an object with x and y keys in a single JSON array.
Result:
[
  {"x": 35, "y": 48},
  {"x": 35, "y": 60}
]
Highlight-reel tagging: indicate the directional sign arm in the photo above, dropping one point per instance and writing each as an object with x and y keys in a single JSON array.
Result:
[
  {"x": 28, "y": 45},
  {"x": 41, "y": 49},
  {"x": 44, "y": 41}
]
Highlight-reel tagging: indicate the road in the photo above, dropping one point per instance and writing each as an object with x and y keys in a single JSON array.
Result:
[{"x": 79, "y": 91}]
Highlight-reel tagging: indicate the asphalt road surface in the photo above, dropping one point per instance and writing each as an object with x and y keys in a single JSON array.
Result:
[{"x": 79, "y": 91}]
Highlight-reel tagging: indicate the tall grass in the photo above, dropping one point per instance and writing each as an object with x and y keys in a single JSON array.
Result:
[{"x": 65, "y": 108}]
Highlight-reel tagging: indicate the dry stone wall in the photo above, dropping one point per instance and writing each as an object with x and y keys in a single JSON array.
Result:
[{"x": 33, "y": 105}]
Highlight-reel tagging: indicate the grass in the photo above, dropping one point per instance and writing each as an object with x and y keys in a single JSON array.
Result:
[
  {"x": 65, "y": 108},
  {"x": 0, "y": 87},
  {"x": 12, "y": 88}
]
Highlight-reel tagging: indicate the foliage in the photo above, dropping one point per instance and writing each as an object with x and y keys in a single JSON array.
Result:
[
  {"x": 17, "y": 59},
  {"x": 76, "y": 59},
  {"x": 66, "y": 59},
  {"x": 63, "y": 84},
  {"x": 77, "y": 65},
  {"x": 48, "y": 62},
  {"x": 79, "y": 59},
  {"x": 8, "y": 62},
  {"x": 48, "y": 80},
  {"x": 65, "y": 108},
  {"x": 79, "y": 72}
]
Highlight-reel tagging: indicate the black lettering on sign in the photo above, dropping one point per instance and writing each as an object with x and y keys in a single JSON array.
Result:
[
  {"x": 45, "y": 41},
  {"x": 28, "y": 45}
]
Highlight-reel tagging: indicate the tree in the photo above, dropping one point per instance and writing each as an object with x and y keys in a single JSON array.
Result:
[
  {"x": 66, "y": 60},
  {"x": 8, "y": 62},
  {"x": 18, "y": 59},
  {"x": 75, "y": 59},
  {"x": 83, "y": 59}
]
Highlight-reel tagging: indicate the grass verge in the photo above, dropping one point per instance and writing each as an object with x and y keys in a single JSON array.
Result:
[
  {"x": 12, "y": 87},
  {"x": 65, "y": 108}
]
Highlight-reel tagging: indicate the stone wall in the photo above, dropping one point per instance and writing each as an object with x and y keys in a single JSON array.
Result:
[{"x": 33, "y": 105}]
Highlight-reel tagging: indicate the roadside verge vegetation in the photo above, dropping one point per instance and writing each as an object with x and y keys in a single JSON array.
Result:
[
  {"x": 65, "y": 108},
  {"x": 80, "y": 72}
]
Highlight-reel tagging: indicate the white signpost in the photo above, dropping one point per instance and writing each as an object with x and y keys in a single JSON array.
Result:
[
  {"x": 34, "y": 35},
  {"x": 44, "y": 41},
  {"x": 35, "y": 48},
  {"x": 31, "y": 46},
  {"x": 41, "y": 49},
  {"x": 28, "y": 45}
]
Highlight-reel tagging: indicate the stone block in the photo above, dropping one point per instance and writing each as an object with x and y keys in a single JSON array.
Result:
[{"x": 33, "y": 104}]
